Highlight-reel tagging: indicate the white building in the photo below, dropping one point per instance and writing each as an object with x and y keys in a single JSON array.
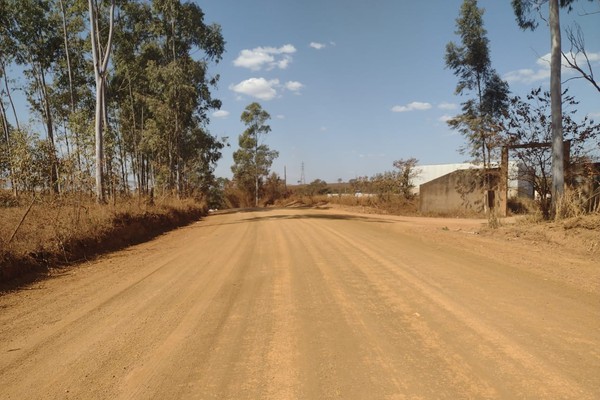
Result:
[{"x": 516, "y": 187}]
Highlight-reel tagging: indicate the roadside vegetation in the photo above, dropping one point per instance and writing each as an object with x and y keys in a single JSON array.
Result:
[
  {"x": 114, "y": 147},
  {"x": 41, "y": 233}
]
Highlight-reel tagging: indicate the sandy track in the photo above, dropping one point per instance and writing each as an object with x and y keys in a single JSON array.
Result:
[{"x": 308, "y": 304}]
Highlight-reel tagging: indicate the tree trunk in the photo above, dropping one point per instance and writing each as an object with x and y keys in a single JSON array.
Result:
[
  {"x": 8, "y": 150},
  {"x": 12, "y": 104},
  {"x": 100, "y": 68},
  {"x": 70, "y": 74},
  {"x": 50, "y": 127},
  {"x": 558, "y": 177},
  {"x": 99, "y": 140}
]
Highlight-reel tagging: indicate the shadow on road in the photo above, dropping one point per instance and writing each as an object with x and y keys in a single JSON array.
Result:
[{"x": 275, "y": 217}]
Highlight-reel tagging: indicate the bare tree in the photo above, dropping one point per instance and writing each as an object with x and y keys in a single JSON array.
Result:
[{"x": 577, "y": 58}]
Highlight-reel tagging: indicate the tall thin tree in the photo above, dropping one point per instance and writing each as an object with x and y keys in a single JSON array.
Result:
[
  {"x": 100, "y": 60},
  {"x": 470, "y": 61}
]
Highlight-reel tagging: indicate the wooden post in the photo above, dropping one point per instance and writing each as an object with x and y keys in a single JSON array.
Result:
[
  {"x": 503, "y": 184},
  {"x": 567, "y": 161}
]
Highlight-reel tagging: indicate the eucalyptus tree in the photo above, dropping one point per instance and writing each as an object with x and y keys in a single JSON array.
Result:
[
  {"x": 471, "y": 63},
  {"x": 8, "y": 51},
  {"x": 101, "y": 57},
  {"x": 253, "y": 159},
  {"x": 181, "y": 85},
  {"x": 201, "y": 150},
  {"x": 72, "y": 94},
  {"x": 134, "y": 48},
  {"x": 525, "y": 11},
  {"x": 33, "y": 28}
]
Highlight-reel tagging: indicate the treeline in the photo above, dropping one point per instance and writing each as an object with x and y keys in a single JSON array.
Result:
[
  {"x": 390, "y": 184},
  {"x": 156, "y": 96}
]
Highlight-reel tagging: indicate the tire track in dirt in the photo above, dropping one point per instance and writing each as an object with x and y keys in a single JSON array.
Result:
[
  {"x": 508, "y": 358},
  {"x": 291, "y": 304}
]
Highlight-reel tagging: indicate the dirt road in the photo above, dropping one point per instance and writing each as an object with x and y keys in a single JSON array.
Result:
[{"x": 309, "y": 304}]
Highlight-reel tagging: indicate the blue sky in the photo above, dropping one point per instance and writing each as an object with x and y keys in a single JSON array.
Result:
[{"x": 352, "y": 85}]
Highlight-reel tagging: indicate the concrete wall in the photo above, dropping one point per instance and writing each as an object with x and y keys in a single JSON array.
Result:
[
  {"x": 428, "y": 173},
  {"x": 457, "y": 191},
  {"x": 516, "y": 187}
]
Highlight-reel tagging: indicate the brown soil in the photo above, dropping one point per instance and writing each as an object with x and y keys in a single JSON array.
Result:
[{"x": 311, "y": 304}]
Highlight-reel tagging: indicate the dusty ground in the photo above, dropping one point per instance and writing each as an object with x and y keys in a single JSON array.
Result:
[{"x": 311, "y": 304}]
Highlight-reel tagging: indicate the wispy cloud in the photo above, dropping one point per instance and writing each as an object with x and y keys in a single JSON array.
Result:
[
  {"x": 593, "y": 58},
  {"x": 445, "y": 118},
  {"x": 414, "y": 106},
  {"x": 280, "y": 116},
  {"x": 259, "y": 88},
  {"x": 527, "y": 75},
  {"x": 594, "y": 115},
  {"x": 542, "y": 71},
  {"x": 447, "y": 106},
  {"x": 293, "y": 86},
  {"x": 318, "y": 46},
  {"x": 220, "y": 114},
  {"x": 265, "y": 57},
  {"x": 371, "y": 155}
]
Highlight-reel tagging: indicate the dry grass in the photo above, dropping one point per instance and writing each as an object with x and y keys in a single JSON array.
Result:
[
  {"x": 577, "y": 235},
  {"x": 369, "y": 205},
  {"x": 66, "y": 229}
]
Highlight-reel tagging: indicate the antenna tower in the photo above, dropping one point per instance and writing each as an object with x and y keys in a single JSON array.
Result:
[{"x": 302, "y": 179}]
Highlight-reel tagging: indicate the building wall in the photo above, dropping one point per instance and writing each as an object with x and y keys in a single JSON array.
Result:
[
  {"x": 457, "y": 191},
  {"x": 428, "y": 173},
  {"x": 516, "y": 187}
]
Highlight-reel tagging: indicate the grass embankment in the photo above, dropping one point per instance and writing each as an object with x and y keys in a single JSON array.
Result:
[{"x": 38, "y": 235}]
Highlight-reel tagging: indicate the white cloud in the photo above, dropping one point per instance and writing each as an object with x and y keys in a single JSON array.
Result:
[
  {"x": 263, "y": 89},
  {"x": 527, "y": 75},
  {"x": 544, "y": 61},
  {"x": 293, "y": 86},
  {"x": 445, "y": 118},
  {"x": 530, "y": 75},
  {"x": 269, "y": 57},
  {"x": 447, "y": 106},
  {"x": 414, "y": 106},
  {"x": 287, "y": 48},
  {"x": 220, "y": 114},
  {"x": 280, "y": 116},
  {"x": 259, "y": 88},
  {"x": 318, "y": 46},
  {"x": 253, "y": 59},
  {"x": 281, "y": 64}
]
